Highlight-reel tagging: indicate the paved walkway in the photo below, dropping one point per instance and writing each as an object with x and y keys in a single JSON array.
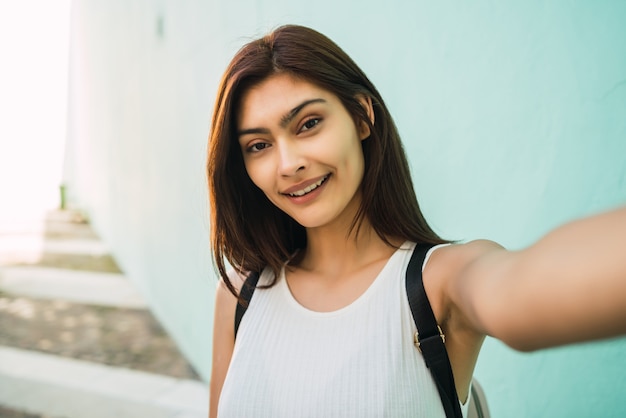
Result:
[{"x": 49, "y": 385}]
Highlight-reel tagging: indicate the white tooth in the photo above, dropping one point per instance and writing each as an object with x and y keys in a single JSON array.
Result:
[{"x": 308, "y": 188}]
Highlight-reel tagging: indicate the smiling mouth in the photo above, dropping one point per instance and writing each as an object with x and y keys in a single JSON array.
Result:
[{"x": 310, "y": 188}]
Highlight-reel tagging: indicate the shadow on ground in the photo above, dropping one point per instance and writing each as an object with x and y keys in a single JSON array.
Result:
[{"x": 116, "y": 336}]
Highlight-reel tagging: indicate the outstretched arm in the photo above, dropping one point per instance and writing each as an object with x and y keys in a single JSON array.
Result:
[{"x": 568, "y": 287}]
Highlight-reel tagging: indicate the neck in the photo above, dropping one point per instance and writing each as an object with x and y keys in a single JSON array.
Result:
[{"x": 338, "y": 250}]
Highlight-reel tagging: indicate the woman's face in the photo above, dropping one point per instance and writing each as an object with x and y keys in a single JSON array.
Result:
[{"x": 302, "y": 148}]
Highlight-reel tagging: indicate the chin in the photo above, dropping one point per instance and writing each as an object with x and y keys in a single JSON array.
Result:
[
  {"x": 313, "y": 222},
  {"x": 308, "y": 222}
]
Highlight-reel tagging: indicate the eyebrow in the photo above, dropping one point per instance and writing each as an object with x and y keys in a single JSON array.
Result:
[{"x": 285, "y": 120}]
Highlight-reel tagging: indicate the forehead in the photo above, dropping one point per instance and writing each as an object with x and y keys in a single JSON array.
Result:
[{"x": 275, "y": 96}]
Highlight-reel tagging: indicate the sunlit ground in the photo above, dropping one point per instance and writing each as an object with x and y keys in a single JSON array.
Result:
[{"x": 32, "y": 317}]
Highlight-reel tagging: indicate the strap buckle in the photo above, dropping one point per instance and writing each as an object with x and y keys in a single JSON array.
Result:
[{"x": 416, "y": 338}]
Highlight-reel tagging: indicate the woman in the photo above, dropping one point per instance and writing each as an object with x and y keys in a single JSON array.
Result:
[{"x": 309, "y": 184}]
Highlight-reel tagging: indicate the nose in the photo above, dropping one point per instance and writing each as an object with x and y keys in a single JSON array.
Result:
[{"x": 291, "y": 159}]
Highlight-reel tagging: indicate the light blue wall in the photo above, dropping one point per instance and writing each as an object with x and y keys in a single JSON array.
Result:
[{"x": 514, "y": 118}]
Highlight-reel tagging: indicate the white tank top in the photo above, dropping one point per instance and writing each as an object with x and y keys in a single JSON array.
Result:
[{"x": 358, "y": 361}]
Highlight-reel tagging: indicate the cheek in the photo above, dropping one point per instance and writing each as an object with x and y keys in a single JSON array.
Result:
[
  {"x": 342, "y": 147},
  {"x": 356, "y": 163},
  {"x": 352, "y": 154}
]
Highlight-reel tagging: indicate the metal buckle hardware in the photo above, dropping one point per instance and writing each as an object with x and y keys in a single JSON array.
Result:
[{"x": 416, "y": 338}]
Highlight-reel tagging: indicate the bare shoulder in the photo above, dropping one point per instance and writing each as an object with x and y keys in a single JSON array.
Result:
[
  {"x": 451, "y": 265},
  {"x": 472, "y": 250},
  {"x": 223, "y": 334},
  {"x": 453, "y": 260},
  {"x": 470, "y": 271},
  {"x": 225, "y": 300},
  {"x": 447, "y": 267},
  {"x": 225, "y": 307}
]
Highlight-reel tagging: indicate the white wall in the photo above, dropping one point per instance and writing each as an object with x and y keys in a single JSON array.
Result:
[
  {"x": 513, "y": 117},
  {"x": 34, "y": 56}
]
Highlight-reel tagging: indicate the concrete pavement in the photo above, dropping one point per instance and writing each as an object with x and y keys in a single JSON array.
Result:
[{"x": 56, "y": 386}]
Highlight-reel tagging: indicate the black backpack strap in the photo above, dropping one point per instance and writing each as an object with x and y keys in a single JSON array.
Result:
[
  {"x": 245, "y": 295},
  {"x": 429, "y": 338}
]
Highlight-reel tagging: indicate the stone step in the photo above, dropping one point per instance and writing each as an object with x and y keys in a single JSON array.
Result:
[
  {"x": 25, "y": 248},
  {"x": 95, "y": 288},
  {"x": 59, "y": 258},
  {"x": 55, "y": 386}
]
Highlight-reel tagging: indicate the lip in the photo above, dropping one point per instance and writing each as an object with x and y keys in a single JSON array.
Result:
[{"x": 303, "y": 185}]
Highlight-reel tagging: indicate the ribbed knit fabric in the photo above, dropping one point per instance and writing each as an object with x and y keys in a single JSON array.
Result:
[{"x": 358, "y": 361}]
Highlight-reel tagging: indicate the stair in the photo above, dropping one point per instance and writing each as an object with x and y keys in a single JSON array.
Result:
[{"x": 76, "y": 338}]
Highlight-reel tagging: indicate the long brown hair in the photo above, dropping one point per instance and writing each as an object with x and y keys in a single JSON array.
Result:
[{"x": 250, "y": 232}]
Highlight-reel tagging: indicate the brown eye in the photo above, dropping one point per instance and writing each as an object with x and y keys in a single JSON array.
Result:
[
  {"x": 310, "y": 124},
  {"x": 259, "y": 146}
]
